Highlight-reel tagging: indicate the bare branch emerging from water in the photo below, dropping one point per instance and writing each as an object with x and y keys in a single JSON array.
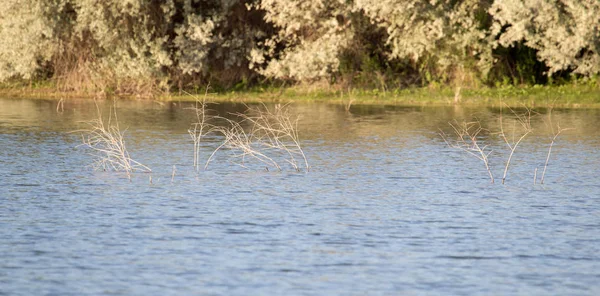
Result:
[
  {"x": 524, "y": 121},
  {"x": 272, "y": 136},
  {"x": 555, "y": 134},
  {"x": 200, "y": 127},
  {"x": 244, "y": 144},
  {"x": 107, "y": 143},
  {"x": 467, "y": 139}
]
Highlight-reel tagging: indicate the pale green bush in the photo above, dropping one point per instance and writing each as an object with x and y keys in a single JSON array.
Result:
[
  {"x": 27, "y": 38},
  {"x": 312, "y": 33},
  {"x": 565, "y": 33},
  {"x": 128, "y": 41},
  {"x": 131, "y": 46},
  {"x": 436, "y": 35},
  {"x": 119, "y": 43}
]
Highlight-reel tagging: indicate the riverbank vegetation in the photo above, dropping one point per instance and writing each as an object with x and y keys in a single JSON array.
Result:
[{"x": 393, "y": 51}]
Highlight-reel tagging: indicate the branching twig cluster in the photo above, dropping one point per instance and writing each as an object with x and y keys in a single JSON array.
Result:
[
  {"x": 555, "y": 133},
  {"x": 524, "y": 122},
  {"x": 106, "y": 141},
  {"x": 267, "y": 135},
  {"x": 467, "y": 139},
  {"x": 200, "y": 127},
  {"x": 271, "y": 136}
]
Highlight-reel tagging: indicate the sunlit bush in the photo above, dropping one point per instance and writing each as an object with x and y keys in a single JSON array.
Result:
[
  {"x": 27, "y": 32},
  {"x": 141, "y": 46},
  {"x": 440, "y": 37},
  {"x": 565, "y": 33}
]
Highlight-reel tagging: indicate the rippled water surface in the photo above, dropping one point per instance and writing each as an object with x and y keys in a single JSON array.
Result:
[{"x": 387, "y": 208}]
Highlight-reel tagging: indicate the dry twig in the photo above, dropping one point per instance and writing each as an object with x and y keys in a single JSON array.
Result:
[
  {"x": 201, "y": 127},
  {"x": 467, "y": 139},
  {"x": 555, "y": 134},
  {"x": 107, "y": 143},
  {"x": 524, "y": 121},
  {"x": 272, "y": 135}
]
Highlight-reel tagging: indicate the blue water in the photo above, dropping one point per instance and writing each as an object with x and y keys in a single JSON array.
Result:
[{"x": 387, "y": 208}]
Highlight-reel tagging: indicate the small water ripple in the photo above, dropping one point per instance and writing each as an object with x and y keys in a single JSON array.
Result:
[{"x": 387, "y": 209}]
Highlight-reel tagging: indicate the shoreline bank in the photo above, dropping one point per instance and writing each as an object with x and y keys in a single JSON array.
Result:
[{"x": 565, "y": 96}]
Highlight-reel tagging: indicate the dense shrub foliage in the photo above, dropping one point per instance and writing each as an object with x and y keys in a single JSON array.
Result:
[{"x": 137, "y": 46}]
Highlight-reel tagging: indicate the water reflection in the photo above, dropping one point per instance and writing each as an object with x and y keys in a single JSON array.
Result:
[{"x": 317, "y": 120}]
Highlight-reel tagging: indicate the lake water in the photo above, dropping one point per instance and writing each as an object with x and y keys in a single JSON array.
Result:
[{"x": 386, "y": 209}]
